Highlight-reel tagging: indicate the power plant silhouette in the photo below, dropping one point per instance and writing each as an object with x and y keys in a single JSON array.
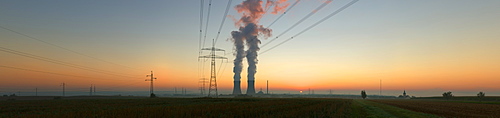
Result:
[{"x": 251, "y": 11}]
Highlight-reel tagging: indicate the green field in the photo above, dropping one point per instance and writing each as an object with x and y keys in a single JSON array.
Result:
[{"x": 228, "y": 107}]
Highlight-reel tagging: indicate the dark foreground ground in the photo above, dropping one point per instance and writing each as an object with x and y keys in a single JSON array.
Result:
[{"x": 243, "y": 107}]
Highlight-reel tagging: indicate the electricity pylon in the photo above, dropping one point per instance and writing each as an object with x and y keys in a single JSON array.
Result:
[
  {"x": 202, "y": 88},
  {"x": 212, "y": 89},
  {"x": 152, "y": 78}
]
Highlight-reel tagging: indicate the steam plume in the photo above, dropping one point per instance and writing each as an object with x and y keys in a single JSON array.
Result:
[
  {"x": 251, "y": 11},
  {"x": 238, "y": 66}
]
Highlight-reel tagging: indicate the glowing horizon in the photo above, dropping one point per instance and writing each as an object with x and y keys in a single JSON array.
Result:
[{"x": 410, "y": 45}]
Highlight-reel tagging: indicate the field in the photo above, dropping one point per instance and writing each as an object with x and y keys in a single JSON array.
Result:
[
  {"x": 177, "y": 107},
  {"x": 447, "y": 108},
  {"x": 243, "y": 107}
]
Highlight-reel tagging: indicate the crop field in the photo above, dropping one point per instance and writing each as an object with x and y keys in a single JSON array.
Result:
[
  {"x": 446, "y": 108},
  {"x": 177, "y": 107},
  {"x": 243, "y": 107}
]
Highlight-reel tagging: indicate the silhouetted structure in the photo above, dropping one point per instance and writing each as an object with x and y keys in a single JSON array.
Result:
[
  {"x": 267, "y": 87},
  {"x": 202, "y": 88},
  {"x": 212, "y": 89},
  {"x": 90, "y": 92},
  {"x": 260, "y": 92},
  {"x": 404, "y": 95},
  {"x": 151, "y": 87},
  {"x": 363, "y": 94},
  {"x": 63, "y": 85}
]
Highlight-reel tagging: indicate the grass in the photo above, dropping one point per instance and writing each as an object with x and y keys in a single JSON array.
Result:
[
  {"x": 357, "y": 110},
  {"x": 378, "y": 110}
]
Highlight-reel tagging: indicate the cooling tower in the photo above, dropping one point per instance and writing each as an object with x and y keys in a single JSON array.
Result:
[
  {"x": 237, "y": 88},
  {"x": 251, "y": 87}
]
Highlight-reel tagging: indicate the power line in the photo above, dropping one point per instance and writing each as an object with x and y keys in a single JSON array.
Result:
[
  {"x": 199, "y": 40},
  {"x": 206, "y": 28},
  {"x": 151, "y": 87},
  {"x": 300, "y": 21},
  {"x": 208, "y": 19},
  {"x": 320, "y": 21},
  {"x": 201, "y": 27},
  {"x": 223, "y": 19},
  {"x": 38, "y": 71},
  {"x": 122, "y": 85},
  {"x": 284, "y": 13},
  {"x": 60, "y": 62},
  {"x": 213, "y": 73},
  {"x": 223, "y": 70},
  {"x": 65, "y": 48},
  {"x": 220, "y": 28}
]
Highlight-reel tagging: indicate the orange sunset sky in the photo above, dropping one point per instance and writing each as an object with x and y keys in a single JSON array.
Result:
[{"x": 413, "y": 45}]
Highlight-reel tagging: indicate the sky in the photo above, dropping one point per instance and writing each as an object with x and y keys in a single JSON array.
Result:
[{"x": 421, "y": 46}]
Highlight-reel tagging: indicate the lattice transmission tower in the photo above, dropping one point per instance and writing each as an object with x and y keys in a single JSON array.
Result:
[{"x": 212, "y": 89}]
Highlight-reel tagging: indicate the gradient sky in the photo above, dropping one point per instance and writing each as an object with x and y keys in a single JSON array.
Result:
[{"x": 417, "y": 45}]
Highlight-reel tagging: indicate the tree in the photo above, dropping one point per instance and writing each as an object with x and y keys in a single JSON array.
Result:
[
  {"x": 447, "y": 95},
  {"x": 480, "y": 95},
  {"x": 363, "y": 94}
]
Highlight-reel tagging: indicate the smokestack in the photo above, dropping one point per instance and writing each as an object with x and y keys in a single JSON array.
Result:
[
  {"x": 267, "y": 87},
  {"x": 251, "y": 11}
]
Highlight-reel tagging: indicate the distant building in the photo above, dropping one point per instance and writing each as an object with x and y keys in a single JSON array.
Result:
[
  {"x": 404, "y": 95},
  {"x": 260, "y": 92}
]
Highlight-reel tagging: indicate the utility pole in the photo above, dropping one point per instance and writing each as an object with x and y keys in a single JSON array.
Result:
[
  {"x": 36, "y": 91},
  {"x": 63, "y": 85},
  {"x": 212, "y": 89},
  {"x": 152, "y": 78},
  {"x": 94, "y": 90}
]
